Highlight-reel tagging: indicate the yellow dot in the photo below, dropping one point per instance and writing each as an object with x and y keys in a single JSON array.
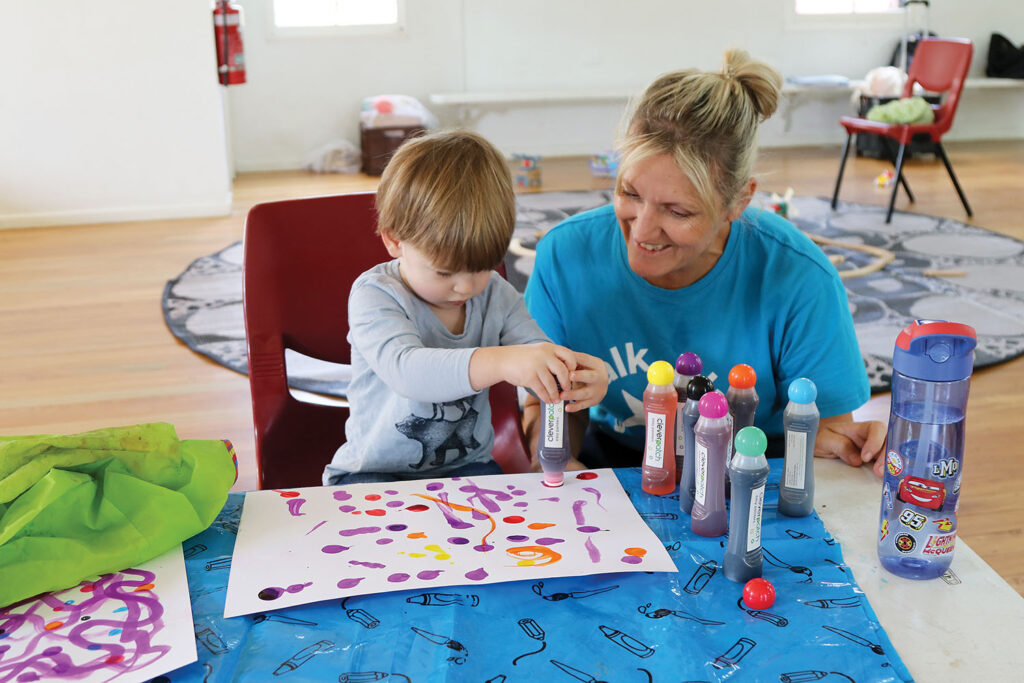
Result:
[
  {"x": 525, "y": 563},
  {"x": 417, "y": 555}
]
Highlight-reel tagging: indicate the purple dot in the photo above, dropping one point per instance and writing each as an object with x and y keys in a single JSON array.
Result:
[
  {"x": 549, "y": 541},
  {"x": 384, "y": 541},
  {"x": 349, "y": 583},
  {"x": 630, "y": 559},
  {"x": 510, "y": 487},
  {"x": 342, "y": 495},
  {"x": 331, "y": 549},
  {"x": 272, "y": 593},
  {"x": 434, "y": 486},
  {"x": 517, "y": 538},
  {"x": 588, "y": 529},
  {"x": 28, "y": 676},
  {"x": 347, "y": 508},
  {"x": 521, "y": 504},
  {"x": 458, "y": 540},
  {"x": 398, "y": 578},
  {"x": 296, "y": 587},
  {"x": 428, "y": 574},
  {"x": 519, "y": 492},
  {"x": 476, "y": 574},
  {"x": 483, "y": 548},
  {"x": 391, "y": 492},
  {"x": 394, "y": 503},
  {"x": 396, "y": 527}
]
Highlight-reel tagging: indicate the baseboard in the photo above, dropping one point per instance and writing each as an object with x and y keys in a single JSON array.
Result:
[{"x": 115, "y": 214}]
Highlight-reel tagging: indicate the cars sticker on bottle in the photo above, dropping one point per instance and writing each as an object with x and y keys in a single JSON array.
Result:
[
  {"x": 905, "y": 543},
  {"x": 923, "y": 493},
  {"x": 914, "y": 520},
  {"x": 894, "y": 463}
]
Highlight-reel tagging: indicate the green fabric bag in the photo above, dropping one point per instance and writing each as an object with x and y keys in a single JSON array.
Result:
[
  {"x": 76, "y": 506},
  {"x": 908, "y": 110}
]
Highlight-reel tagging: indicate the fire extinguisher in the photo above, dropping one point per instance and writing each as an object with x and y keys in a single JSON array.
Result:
[{"x": 227, "y": 32}]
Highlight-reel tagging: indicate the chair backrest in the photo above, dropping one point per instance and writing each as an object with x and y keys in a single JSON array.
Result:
[
  {"x": 940, "y": 65},
  {"x": 301, "y": 257}
]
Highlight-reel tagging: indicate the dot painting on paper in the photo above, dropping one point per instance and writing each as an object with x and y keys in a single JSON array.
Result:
[{"x": 305, "y": 545}]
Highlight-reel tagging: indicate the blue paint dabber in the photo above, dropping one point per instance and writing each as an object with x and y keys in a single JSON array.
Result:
[
  {"x": 854, "y": 638},
  {"x": 576, "y": 673},
  {"x": 302, "y": 656}
]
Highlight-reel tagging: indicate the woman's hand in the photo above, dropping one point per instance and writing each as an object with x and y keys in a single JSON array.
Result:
[
  {"x": 855, "y": 443},
  {"x": 589, "y": 383}
]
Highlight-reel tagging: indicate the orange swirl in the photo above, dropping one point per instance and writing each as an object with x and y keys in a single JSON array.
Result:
[
  {"x": 533, "y": 555},
  {"x": 464, "y": 508}
]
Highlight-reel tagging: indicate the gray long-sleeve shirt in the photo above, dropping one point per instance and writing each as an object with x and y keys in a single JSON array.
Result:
[{"x": 413, "y": 411}]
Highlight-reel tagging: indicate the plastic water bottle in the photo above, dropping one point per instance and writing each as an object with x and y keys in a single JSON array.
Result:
[
  {"x": 749, "y": 472},
  {"x": 932, "y": 365},
  {"x": 800, "y": 421},
  {"x": 742, "y": 397},
  {"x": 688, "y": 366},
  {"x": 658, "y": 475},
  {"x": 712, "y": 436},
  {"x": 697, "y": 387},
  {"x": 553, "y": 447}
]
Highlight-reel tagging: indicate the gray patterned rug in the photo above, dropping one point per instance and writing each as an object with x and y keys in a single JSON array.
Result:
[{"x": 203, "y": 306}]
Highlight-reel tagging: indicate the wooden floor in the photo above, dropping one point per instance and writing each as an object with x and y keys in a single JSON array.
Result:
[{"x": 83, "y": 343}]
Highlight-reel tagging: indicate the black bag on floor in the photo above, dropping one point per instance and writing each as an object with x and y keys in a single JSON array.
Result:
[{"x": 1005, "y": 60}]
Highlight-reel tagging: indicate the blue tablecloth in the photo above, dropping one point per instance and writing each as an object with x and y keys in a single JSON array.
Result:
[{"x": 690, "y": 626}]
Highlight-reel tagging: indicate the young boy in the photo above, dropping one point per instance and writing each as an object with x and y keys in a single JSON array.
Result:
[{"x": 432, "y": 329}]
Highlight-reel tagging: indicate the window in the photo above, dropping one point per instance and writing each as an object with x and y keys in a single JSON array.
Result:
[
  {"x": 372, "y": 15},
  {"x": 846, "y": 6}
]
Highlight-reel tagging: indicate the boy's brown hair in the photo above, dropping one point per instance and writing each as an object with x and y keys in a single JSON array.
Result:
[{"x": 449, "y": 194}]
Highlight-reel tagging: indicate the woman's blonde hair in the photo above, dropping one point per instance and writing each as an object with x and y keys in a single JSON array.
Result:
[
  {"x": 449, "y": 194},
  {"x": 707, "y": 122}
]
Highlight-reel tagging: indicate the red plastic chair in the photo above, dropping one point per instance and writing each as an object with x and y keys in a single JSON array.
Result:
[
  {"x": 940, "y": 65},
  {"x": 301, "y": 258}
]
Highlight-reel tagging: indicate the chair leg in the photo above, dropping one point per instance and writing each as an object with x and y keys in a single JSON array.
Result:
[
  {"x": 842, "y": 165},
  {"x": 896, "y": 186},
  {"x": 899, "y": 176},
  {"x": 952, "y": 176}
]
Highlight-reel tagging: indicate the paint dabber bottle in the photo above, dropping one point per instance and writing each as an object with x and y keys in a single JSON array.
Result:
[
  {"x": 696, "y": 389},
  {"x": 658, "y": 476},
  {"x": 711, "y": 437},
  {"x": 749, "y": 470},
  {"x": 553, "y": 448},
  {"x": 742, "y": 397},
  {"x": 688, "y": 366},
  {"x": 800, "y": 421}
]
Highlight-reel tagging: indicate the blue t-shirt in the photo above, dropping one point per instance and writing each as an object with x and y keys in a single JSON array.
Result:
[{"x": 772, "y": 301}]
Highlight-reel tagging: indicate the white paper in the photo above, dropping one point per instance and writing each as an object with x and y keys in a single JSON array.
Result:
[
  {"x": 129, "y": 626},
  {"x": 305, "y": 545}
]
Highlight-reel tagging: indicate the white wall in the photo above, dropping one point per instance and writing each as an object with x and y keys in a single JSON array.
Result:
[
  {"x": 109, "y": 110},
  {"x": 304, "y": 92}
]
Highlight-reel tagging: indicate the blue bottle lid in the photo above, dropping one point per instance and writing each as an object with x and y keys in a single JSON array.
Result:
[
  {"x": 802, "y": 390},
  {"x": 935, "y": 350}
]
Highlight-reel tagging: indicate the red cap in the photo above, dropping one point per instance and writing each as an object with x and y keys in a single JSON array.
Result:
[{"x": 742, "y": 376}]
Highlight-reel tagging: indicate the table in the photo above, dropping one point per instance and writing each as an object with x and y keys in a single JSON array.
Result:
[{"x": 643, "y": 627}]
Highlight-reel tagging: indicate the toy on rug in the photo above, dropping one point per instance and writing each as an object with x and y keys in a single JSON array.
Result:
[
  {"x": 885, "y": 178},
  {"x": 781, "y": 205},
  {"x": 604, "y": 165},
  {"x": 527, "y": 170}
]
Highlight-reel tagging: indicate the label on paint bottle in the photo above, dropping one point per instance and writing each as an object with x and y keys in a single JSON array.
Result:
[
  {"x": 655, "y": 439},
  {"x": 754, "y": 519},
  {"x": 554, "y": 414},
  {"x": 700, "y": 470},
  {"x": 796, "y": 447}
]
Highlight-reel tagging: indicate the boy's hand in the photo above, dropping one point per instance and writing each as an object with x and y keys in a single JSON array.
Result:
[
  {"x": 589, "y": 383},
  {"x": 541, "y": 368}
]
